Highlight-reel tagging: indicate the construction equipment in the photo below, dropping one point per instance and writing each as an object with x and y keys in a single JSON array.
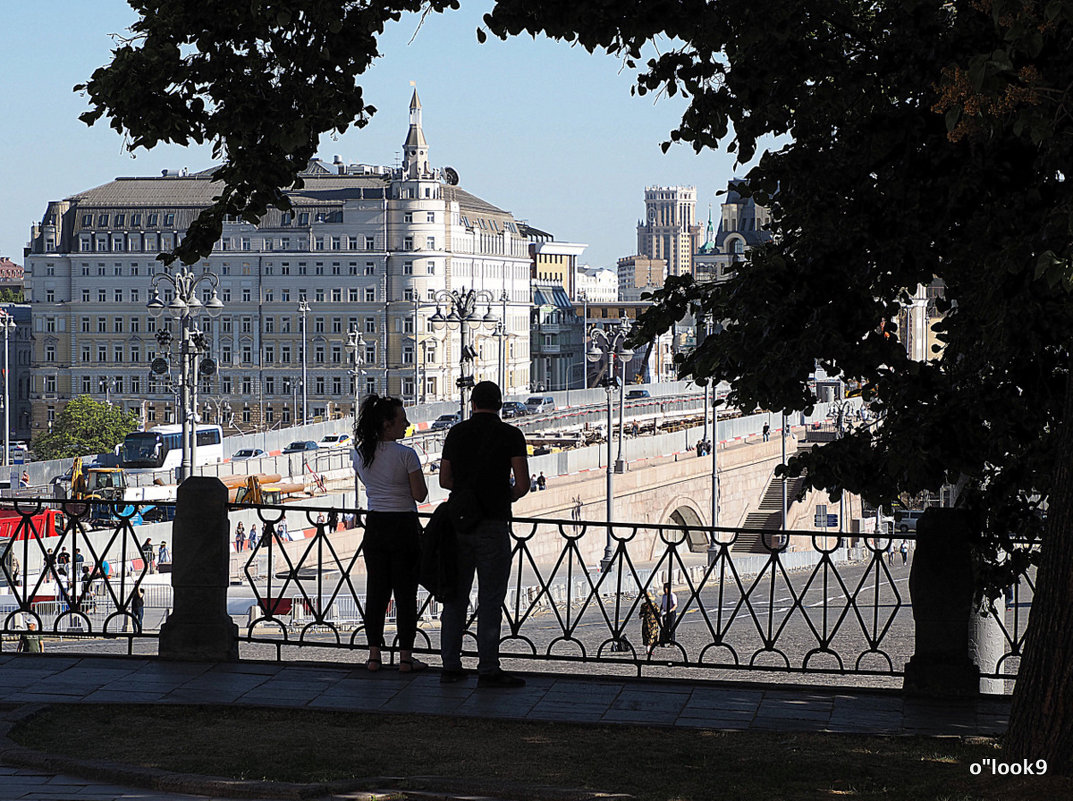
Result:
[{"x": 264, "y": 489}]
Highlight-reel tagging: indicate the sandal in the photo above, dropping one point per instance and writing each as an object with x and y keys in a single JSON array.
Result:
[
  {"x": 411, "y": 666},
  {"x": 372, "y": 664}
]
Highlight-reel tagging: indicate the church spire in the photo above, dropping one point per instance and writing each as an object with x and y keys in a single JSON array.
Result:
[{"x": 415, "y": 148}]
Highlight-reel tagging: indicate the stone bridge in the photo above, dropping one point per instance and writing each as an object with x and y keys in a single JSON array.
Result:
[{"x": 677, "y": 490}]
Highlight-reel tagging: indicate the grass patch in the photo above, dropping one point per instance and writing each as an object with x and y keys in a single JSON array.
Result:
[{"x": 652, "y": 764}]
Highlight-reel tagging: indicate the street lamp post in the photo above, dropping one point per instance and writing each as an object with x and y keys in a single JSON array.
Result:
[
  {"x": 620, "y": 463},
  {"x": 356, "y": 344},
  {"x": 584, "y": 337},
  {"x": 303, "y": 308},
  {"x": 8, "y": 322},
  {"x": 463, "y": 314},
  {"x": 501, "y": 333},
  {"x": 185, "y": 306},
  {"x": 609, "y": 343}
]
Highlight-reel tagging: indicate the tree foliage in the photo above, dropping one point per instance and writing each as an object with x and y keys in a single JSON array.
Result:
[
  {"x": 260, "y": 81},
  {"x": 85, "y": 427}
]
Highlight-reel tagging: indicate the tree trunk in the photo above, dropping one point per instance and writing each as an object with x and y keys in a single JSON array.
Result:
[{"x": 1041, "y": 719}]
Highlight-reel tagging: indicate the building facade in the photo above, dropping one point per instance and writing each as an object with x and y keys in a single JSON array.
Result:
[
  {"x": 637, "y": 274},
  {"x": 370, "y": 249},
  {"x": 742, "y": 225},
  {"x": 669, "y": 230}
]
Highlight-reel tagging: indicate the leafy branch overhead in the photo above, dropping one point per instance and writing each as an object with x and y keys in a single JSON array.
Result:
[{"x": 259, "y": 81}]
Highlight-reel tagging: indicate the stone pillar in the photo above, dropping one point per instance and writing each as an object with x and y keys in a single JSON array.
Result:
[
  {"x": 987, "y": 644},
  {"x": 199, "y": 628},
  {"x": 941, "y": 589}
]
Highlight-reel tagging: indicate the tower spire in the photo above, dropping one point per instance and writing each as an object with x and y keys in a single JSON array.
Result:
[{"x": 415, "y": 148}]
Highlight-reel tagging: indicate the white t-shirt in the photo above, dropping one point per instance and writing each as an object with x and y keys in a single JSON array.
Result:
[{"x": 387, "y": 480}]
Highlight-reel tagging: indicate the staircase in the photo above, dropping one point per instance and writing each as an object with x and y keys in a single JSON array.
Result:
[{"x": 768, "y": 514}]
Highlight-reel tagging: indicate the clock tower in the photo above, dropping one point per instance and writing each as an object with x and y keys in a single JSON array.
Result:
[{"x": 669, "y": 228}]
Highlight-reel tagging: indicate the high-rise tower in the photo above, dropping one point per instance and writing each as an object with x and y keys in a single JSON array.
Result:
[{"x": 668, "y": 230}]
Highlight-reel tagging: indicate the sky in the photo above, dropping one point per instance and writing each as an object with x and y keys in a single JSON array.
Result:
[{"x": 548, "y": 132}]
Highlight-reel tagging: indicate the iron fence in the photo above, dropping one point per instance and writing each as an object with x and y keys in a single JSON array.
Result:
[{"x": 808, "y": 603}]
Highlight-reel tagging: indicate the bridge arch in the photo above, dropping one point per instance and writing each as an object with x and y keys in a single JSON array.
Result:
[{"x": 683, "y": 511}]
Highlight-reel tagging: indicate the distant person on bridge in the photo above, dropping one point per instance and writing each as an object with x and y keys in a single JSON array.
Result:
[
  {"x": 767, "y": 432},
  {"x": 240, "y": 537},
  {"x": 649, "y": 623},
  {"x": 667, "y": 605},
  {"x": 394, "y": 483},
  {"x": 480, "y": 456}
]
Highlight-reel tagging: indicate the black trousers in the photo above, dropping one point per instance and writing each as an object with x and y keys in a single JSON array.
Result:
[{"x": 391, "y": 562}]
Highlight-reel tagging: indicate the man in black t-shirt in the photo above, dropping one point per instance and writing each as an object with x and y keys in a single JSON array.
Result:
[{"x": 480, "y": 457}]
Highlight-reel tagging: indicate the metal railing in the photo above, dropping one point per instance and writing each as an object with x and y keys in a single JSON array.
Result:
[{"x": 813, "y": 603}]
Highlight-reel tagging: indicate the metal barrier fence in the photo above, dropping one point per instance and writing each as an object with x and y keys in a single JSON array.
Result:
[{"x": 812, "y": 603}]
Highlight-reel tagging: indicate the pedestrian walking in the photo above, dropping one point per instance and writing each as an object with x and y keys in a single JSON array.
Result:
[
  {"x": 79, "y": 560},
  {"x": 766, "y": 430},
  {"x": 30, "y": 640},
  {"x": 14, "y": 570},
  {"x": 542, "y": 483},
  {"x": 240, "y": 537},
  {"x": 904, "y": 548},
  {"x": 148, "y": 555},
  {"x": 667, "y": 606},
  {"x": 163, "y": 555},
  {"x": 650, "y": 627},
  {"x": 137, "y": 607},
  {"x": 63, "y": 561},
  {"x": 480, "y": 455},
  {"x": 251, "y": 537},
  {"x": 394, "y": 483},
  {"x": 532, "y": 483}
]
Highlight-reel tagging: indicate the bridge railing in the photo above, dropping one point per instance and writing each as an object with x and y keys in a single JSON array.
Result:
[{"x": 809, "y": 602}]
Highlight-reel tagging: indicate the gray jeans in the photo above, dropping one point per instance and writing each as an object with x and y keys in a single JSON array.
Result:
[{"x": 486, "y": 551}]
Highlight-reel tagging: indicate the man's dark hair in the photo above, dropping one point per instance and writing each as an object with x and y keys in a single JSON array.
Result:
[{"x": 486, "y": 395}]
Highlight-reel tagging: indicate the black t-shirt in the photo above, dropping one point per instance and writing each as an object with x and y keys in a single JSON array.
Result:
[{"x": 480, "y": 450}]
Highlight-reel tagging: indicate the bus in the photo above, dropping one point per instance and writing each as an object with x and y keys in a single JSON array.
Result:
[{"x": 161, "y": 448}]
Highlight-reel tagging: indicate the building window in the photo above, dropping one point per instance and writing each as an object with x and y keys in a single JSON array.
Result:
[
  {"x": 370, "y": 268},
  {"x": 407, "y": 243},
  {"x": 431, "y": 217},
  {"x": 370, "y": 243},
  {"x": 102, "y": 353},
  {"x": 370, "y": 294},
  {"x": 352, "y": 294},
  {"x": 430, "y": 243},
  {"x": 407, "y": 268},
  {"x": 85, "y": 353},
  {"x": 169, "y": 220}
]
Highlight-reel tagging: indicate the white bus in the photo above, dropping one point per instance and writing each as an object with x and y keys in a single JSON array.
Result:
[{"x": 161, "y": 448}]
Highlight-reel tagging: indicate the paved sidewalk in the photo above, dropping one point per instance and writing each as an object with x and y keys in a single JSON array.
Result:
[{"x": 29, "y": 680}]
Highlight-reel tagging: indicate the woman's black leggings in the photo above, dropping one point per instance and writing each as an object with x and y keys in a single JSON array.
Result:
[{"x": 391, "y": 563}]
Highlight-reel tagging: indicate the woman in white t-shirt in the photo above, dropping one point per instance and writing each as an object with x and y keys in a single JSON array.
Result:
[{"x": 391, "y": 473}]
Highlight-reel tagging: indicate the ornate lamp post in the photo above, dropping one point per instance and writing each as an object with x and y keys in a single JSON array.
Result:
[
  {"x": 303, "y": 309},
  {"x": 610, "y": 343},
  {"x": 185, "y": 306},
  {"x": 463, "y": 315},
  {"x": 8, "y": 323}
]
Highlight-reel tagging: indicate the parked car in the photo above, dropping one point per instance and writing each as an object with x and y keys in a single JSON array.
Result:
[
  {"x": 540, "y": 403},
  {"x": 302, "y": 445},
  {"x": 635, "y": 394},
  {"x": 247, "y": 453},
  {"x": 513, "y": 409},
  {"x": 905, "y": 520},
  {"x": 336, "y": 441},
  {"x": 444, "y": 421}
]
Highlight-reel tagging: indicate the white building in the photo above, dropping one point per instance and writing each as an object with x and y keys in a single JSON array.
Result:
[
  {"x": 600, "y": 284},
  {"x": 368, "y": 247}
]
